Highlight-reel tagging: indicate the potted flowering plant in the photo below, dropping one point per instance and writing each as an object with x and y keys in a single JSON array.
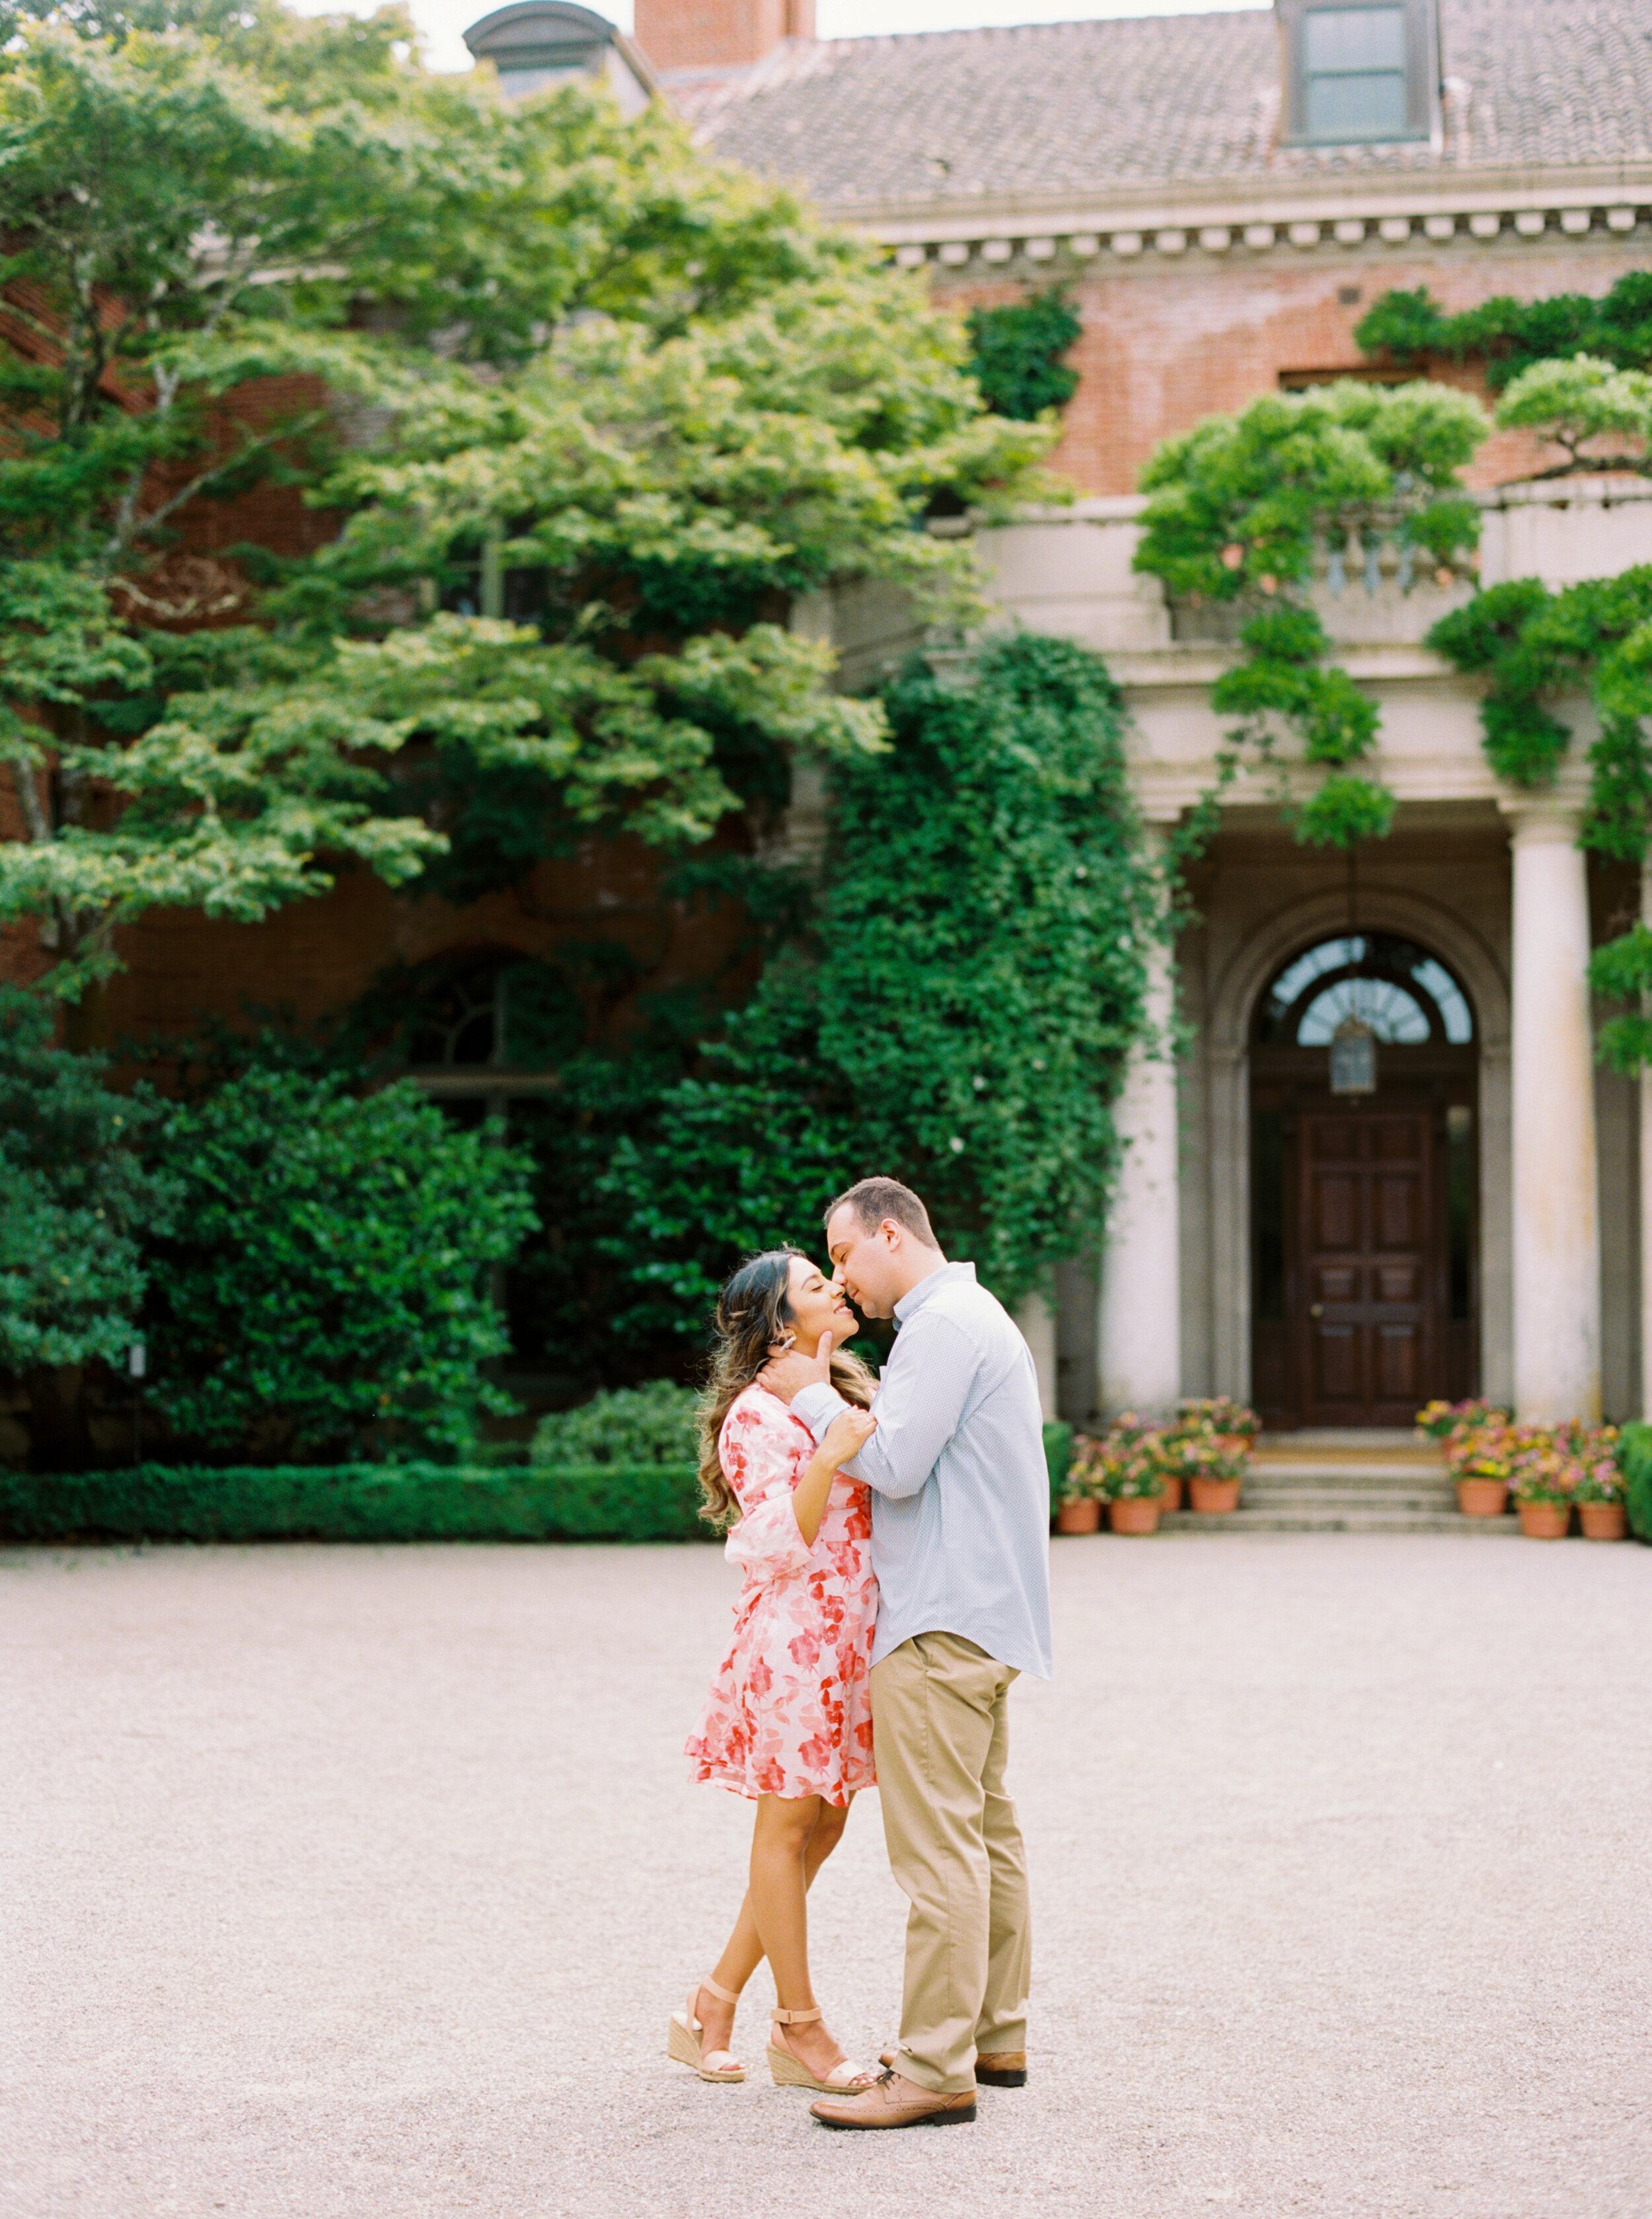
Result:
[
  {"x": 1078, "y": 1506},
  {"x": 1131, "y": 1480},
  {"x": 1545, "y": 1471},
  {"x": 1599, "y": 1493},
  {"x": 1231, "y": 1425},
  {"x": 1479, "y": 1444}
]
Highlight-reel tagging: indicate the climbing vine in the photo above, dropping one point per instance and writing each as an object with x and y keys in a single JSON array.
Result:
[
  {"x": 1239, "y": 508},
  {"x": 1017, "y": 351},
  {"x": 1510, "y": 336},
  {"x": 1532, "y": 645}
]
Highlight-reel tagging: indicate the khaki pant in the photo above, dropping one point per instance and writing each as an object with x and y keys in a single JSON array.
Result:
[{"x": 941, "y": 1740}]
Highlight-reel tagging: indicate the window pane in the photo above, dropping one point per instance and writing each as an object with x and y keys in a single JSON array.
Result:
[
  {"x": 1371, "y": 106},
  {"x": 1393, "y": 1015},
  {"x": 1355, "y": 39}
]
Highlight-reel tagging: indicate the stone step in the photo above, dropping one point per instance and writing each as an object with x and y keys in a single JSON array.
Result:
[
  {"x": 1436, "y": 1502},
  {"x": 1253, "y": 1519},
  {"x": 1265, "y": 1474}
]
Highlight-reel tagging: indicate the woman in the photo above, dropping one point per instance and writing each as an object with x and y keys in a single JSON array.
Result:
[{"x": 788, "y": 1720}]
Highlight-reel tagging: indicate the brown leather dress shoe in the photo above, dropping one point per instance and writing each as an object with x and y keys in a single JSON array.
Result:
[
  {"x": 1001, "y": 2068},
  {"x": 993, "y": 2068},
  {"x": 894, "y": 2101}
]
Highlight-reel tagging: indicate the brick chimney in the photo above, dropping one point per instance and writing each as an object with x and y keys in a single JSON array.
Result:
[{"x": 719, "y": 34}]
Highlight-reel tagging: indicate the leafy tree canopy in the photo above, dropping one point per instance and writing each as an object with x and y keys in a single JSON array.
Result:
[
  {"x": 1511, "y": 335},
  {"x": 1238, "y": 509},
  {"x": 1580, "y": 403},
  {"x": 592, "y": 410}
]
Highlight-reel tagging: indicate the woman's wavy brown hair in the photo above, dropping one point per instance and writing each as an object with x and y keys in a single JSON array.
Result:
[{"x": 752, "y": 1312}]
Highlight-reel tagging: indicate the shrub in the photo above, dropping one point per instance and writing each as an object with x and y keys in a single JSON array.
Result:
[
  {"x": 654, "y": 1424},
  {"x": 358, "y": 1502},
  {"x": 1635, "y": 1460},
  {"x": 1059, "y": 1442},
  {"x": 327, "y": 1284},
  {"x": 77, "y": 1198}
]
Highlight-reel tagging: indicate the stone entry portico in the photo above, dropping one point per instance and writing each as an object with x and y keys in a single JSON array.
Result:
[{"x": 1488, "y": 879}]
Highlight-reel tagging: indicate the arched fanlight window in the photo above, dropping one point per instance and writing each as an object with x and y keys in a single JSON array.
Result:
[{"x": 1399, "y": 993}]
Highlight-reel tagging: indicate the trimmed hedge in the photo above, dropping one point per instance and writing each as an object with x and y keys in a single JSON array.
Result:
[
  {"x": 357, "y": 1502},
  {"x": 1058, "y": 1455},
  {"x": 378, "y": 1502},
  {"x": 1634, "y": 1462}
]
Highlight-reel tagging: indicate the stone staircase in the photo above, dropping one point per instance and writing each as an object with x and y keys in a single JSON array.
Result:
[{"x": 1344, "y": 1482}]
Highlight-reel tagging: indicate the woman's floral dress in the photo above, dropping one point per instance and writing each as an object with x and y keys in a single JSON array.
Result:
[{"x": 789, "y": 1709}]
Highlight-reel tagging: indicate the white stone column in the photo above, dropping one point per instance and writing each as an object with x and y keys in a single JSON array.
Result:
[
  {"x": 1138, "y": 1350},
  {"x": 1036, "y": 1318},
  {"x": 1556, "y": 1206}
]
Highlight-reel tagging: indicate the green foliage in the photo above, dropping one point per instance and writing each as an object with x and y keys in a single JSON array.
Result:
[
  {"x": 78, "y": 1200},
  {"x": 652, "y": 1424},
  {"x": 962, "y": 1016},
  {"x": 1634, "y": 1461},
  {"x": 1531, "y": 644},
  {"x": 326, "y": 1283},
  {"x": 1578, "y": 401},
  {"x": 1058, "y": 1455},
  {"x": 723, "y": 1167},
  {"x": 593, "y": 409},
  {"x": 1235, "y": 506},
  {"x": 1511, "y": 335},
  {"x": 358, "y": 1502},
  {"x": 1235, "y": 510},
  {"x": 1017, "y": 350}
]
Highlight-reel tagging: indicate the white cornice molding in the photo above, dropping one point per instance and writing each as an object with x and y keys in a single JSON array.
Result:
[{"x": 1243, "y": 218}]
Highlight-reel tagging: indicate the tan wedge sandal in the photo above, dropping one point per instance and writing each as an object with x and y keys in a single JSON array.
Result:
[
  {"x": 789, "y": 2070},
  {"x": 685, "y": 2039}
]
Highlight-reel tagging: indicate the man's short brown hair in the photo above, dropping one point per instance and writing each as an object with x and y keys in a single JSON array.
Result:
[{"x": 874, "y": 1199}]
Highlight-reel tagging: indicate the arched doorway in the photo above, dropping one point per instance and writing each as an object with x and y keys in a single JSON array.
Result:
[{"x": 1364, "y": 1294}]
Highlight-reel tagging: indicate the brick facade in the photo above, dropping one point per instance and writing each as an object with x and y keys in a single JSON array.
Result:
[{"x": 1166, "y": 342}]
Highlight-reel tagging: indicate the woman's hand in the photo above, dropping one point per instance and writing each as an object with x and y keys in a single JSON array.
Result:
[{"x": 846, "y": 1435}]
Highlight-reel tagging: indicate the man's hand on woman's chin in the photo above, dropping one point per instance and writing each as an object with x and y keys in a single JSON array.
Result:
[{"x": 788, "y": 1374}]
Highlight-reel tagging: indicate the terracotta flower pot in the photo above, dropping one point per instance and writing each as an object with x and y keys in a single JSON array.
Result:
[
  {"x": 1604, "y": 1521},
  {"x": 1134, "y": 1514},
  {"x": 1215, "y": 1497},
  {"x": 1172, "y": 1498},
  {"x": 1483, "y": 1498},
  {"x": 1083, "y": 1517},
  {"x": 1545, "y": 1521}
]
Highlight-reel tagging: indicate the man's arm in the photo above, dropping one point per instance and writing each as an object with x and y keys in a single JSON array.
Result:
[{"x": 920, "y": 1400}]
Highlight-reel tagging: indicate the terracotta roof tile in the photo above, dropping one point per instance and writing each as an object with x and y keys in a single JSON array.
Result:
[{"x": 940, "y": 117}]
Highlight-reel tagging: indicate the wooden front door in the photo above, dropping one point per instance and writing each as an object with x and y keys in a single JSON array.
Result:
[{"x": 1370, "y": 1332}]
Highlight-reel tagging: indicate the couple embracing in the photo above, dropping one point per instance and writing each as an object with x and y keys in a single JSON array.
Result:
[{"x": 894, "y": 1536}]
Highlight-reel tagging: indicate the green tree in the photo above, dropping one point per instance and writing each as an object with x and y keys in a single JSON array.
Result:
[
  {"x": 325, "y": 1286},
  {"x": 960, "y": 1015},
  {"x": 79, "y": 1202},
  {"x": 1236, "y": 511},
  {"x": 1578, "y": 402},
  {"x": 1510, "y": 336},
  {"x": 594, "y": 409}
]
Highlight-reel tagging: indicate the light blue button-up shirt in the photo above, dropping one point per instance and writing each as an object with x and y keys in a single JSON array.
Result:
[{"x": 960, "y": 1513}]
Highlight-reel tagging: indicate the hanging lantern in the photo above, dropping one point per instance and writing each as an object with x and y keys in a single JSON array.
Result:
[{"x": 1353, "y": 1058}]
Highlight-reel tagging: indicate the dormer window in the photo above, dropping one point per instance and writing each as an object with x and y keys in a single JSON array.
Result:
[{"x": 1359, "y": 70}]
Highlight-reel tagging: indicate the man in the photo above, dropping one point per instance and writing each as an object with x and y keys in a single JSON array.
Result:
[{"x": 960, "y": 1544}]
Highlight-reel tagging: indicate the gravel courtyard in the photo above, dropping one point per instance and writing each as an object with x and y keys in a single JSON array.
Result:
[{"x": 360, "y": 1881}]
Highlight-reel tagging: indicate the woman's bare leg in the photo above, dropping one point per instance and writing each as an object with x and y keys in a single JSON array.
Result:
[{"x": 743, "y": 1952}]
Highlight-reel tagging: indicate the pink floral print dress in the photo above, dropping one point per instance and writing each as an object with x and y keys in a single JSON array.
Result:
[{"x": 789, "y": 1709}]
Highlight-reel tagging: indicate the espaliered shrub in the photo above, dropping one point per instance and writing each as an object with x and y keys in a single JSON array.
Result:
[{"x": 356, "y": 1502}]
